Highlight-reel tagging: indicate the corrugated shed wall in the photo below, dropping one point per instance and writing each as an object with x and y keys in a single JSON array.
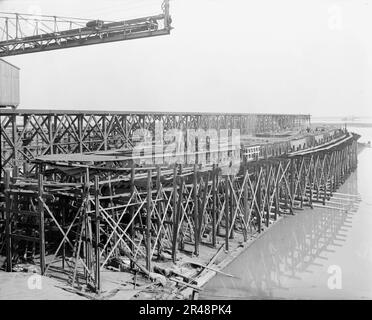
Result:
[{"x": 9, "y": 84}]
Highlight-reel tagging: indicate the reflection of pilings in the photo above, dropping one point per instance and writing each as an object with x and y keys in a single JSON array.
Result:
[
  {"x": 133, "y": 215},
  {"x": 276, "y": 259}
]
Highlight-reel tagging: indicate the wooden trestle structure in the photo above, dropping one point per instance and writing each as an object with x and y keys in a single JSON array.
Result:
[{"x": 80, "y": 217}]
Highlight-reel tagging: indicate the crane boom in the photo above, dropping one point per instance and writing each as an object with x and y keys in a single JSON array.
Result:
[{"x": 25, "y": 33}]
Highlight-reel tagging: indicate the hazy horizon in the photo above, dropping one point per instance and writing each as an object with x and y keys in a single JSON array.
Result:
[{"x": 222, "y": 56}]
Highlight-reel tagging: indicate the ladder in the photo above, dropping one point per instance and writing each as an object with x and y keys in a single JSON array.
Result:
[{"x": 24, "y": 220}]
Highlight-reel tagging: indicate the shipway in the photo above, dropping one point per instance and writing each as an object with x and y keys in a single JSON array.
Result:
[{"x": 167, "y": 311}]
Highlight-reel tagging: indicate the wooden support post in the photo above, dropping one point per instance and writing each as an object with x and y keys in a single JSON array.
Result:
[
  {"x": 63, "y": 212},
  {"x": 227, "y": 226},
  {"x": 258, "y": 197},
  {"x": 179, "y": 212},
  {"x": 292, "y": 181},
  {"x": 8, "y": 222},
  {"x": 50, "y": 135},
  {"x": 97, "y": 236},
  {"x": 206, "y": 176},
  {"x": 311, "y": 183},
  {"x": 245, "y": 203},
  {"x": 267, "y": 196},
  {"x": 232, "y": 207},
  {"x": 15, "y": 197},
  {"x": 15, "y": 140},
  {"x": 80, "y": 132},
  {"x": 41, "y": 218},
  {"x": 159, "y": 208},
  {"x": 148, "y": 221},
  {"x": 105, "y": 134},
  {"x": 214, "y": 218},
  {"x": 324, "y": 189},
  {"x": 131, "y": 210},
  {"x": 336, "y": 169},
  {"x": 175, "y": 226},
  {"x": 87, "y": 229},
  {"x": 15, "y": 171},
  {"x": 219, "y": 191},
  {"x": 25, "y": 162},
  {"x": 196, "y": 212},
  {"x": 302, "y": 181},
  {"x": 181, "y": 243},
  {"x": 277, "y": 196}
]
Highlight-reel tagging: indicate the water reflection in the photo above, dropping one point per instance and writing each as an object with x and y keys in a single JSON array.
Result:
[{"x": 290, "y": 255}]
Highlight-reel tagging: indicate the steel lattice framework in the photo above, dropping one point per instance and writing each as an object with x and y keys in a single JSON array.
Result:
[
  {"x": 25, "y": 33},
  {"x": 26, "y": 134}
]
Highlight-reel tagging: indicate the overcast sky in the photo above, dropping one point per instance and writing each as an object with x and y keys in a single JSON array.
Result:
[{"x": 272, "y": 56}]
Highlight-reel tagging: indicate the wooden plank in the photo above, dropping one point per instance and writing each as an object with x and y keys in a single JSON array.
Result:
[
  {"x": 25, "y": 212},
  {"x": 213, "y": 269},
  {"x": 186, "y": 284},
  {"x": 24, "y": 237}
]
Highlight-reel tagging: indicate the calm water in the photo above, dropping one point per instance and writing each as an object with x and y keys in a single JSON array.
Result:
[{"x": 292, "y": 260}]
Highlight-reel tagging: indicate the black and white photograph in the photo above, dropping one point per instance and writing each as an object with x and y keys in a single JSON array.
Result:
[{"x": 222, "y": 154}]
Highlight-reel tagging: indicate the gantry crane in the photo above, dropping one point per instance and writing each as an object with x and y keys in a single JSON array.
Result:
[{"x": 25, "y": 33}]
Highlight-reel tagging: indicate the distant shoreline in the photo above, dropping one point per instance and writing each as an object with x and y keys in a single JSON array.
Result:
[{"x": 348, "y": 124}]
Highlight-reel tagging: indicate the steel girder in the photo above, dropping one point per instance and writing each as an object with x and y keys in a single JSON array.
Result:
[{"x": 24, "y": 33}]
